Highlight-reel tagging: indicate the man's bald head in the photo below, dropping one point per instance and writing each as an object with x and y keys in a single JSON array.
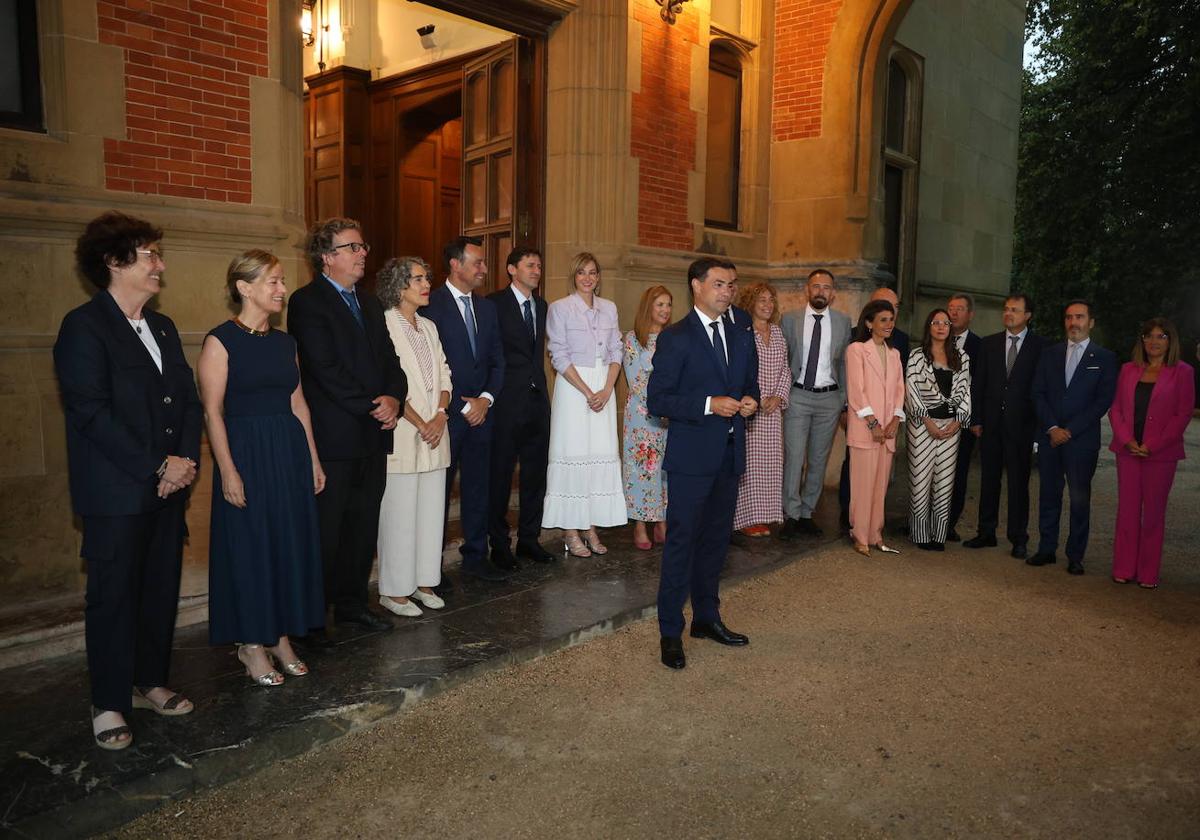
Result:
[{"x": 888, "y": 295}]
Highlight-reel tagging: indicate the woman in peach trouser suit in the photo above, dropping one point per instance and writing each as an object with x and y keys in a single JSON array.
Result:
[
  {"x": 875, "y": 391},
  {"x": 1155, "y": 396}
]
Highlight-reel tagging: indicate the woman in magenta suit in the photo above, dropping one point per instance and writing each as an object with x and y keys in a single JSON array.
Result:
[
  {"x": 1155, "y": 396},
  {"x": 875, "y": 392}
]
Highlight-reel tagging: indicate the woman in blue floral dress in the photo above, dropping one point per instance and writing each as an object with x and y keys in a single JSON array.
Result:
[{"x": 644, "y": 440}]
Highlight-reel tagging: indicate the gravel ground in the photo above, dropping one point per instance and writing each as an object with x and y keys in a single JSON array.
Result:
[{"x": 961, "y": 694}]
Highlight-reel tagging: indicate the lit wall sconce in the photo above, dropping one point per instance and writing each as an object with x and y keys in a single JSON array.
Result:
[
  {"x": 670, "y": 8},
  {"x": 306, "y": 23}
]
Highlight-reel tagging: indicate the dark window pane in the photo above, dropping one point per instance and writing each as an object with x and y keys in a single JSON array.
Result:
[
  {"x": 10, "y": 58},
  {"x": 20, "y": 79},
  {"x": 897, "y": 95},
  {"x": 893, "y": 217},
  {"x": 724, "y": 139}
]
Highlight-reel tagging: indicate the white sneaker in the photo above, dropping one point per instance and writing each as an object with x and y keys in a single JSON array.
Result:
[
  {"x": 406, "y": 609},
  {"x": 429, "y": 599}
]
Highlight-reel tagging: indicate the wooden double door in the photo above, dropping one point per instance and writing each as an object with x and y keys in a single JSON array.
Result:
[{"x": 459, "y": 148}]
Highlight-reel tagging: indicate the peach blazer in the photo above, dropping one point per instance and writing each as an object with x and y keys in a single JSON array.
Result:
[{"x": 872, "y": 389}]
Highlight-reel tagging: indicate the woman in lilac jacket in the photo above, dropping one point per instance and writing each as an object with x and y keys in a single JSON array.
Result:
[{"x": 1153, "y": 406}]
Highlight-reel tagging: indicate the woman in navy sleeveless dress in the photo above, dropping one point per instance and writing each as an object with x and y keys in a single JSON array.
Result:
[{"x": 264, "y": 568}]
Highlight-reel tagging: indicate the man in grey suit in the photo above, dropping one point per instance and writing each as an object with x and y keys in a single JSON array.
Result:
[{"x": 817, "y": 337}]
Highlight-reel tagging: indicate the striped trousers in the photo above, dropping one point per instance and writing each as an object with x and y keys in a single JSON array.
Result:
[{"x": 931, "y": 472}]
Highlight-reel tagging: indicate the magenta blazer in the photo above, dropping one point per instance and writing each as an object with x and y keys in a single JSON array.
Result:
[{"x": 1170, "y": 411}]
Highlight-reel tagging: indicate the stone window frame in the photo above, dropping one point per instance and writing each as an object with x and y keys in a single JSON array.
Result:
[
  {"x": 52, "y": 73},
  {"x": 907, "y": 160},
  {"x": 745, "y": 51},
  {"x": 725, "y": 58}
]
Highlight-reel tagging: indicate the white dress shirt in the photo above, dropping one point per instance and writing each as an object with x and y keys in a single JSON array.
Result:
[
  {"x": 462, "y": 312},
  {"x": 825, "y": 360},
  {"x": 521, "y": 306},
  {"x": 708, "y": 322}
]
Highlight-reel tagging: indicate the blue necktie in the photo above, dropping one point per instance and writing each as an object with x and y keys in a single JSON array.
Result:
[
  {"x": 720, "y": 347},
  {"x": 469, "y": 318},
  {"x": 352, "y": 302},
  {"x": 529, "y": 321},
  {"x": 1072, "y": 361}
]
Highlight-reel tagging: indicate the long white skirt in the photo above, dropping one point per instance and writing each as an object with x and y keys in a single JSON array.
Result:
[{"x": 583, "y": 483}]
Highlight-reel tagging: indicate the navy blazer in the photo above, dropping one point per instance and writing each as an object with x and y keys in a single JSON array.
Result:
[
  {"x": 686, "y": 372},
  {"x": 1006, "y": 400},
  {"x": 524, "y": 361},
  {"x": 471, "y": 374},
  {"x": 1079, "y": 406},
  {"x": 343, "y": 367},
  {"x": 973, "y": 347},
  {"x": 123, "y": 416},
  {"x": 903, "y": 344}
]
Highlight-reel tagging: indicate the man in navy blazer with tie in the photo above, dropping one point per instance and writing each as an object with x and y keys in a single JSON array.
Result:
[
  {"x": 470, "y": 334},
  {"x": 1072, "y": 390},
  {"x": 705, "y": 381}
]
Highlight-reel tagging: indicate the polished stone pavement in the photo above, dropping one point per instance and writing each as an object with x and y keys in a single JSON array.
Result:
[{"x": 55, "y": 783}]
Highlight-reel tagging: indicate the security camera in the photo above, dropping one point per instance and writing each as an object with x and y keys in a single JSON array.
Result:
[{"x": 426, "y": 33}]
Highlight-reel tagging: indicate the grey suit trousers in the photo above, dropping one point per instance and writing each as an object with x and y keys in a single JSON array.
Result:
[{"x": 809, "y": 424}]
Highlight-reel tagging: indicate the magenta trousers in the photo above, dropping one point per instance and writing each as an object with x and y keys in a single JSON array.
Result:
[{"x": 1142, "y": 490}]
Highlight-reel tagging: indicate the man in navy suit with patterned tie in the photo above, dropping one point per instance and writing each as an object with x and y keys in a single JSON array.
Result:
[
  {"x": 1072, "y": 390},
  {"x": 705, "y": 381},
  {"x": 470, "y": 334}
]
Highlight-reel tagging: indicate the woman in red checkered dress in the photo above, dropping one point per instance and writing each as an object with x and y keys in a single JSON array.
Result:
[{"x": 760, "y": 491}]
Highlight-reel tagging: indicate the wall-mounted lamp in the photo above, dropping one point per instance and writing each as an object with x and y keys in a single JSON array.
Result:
[
  {"x": 428, "y": 40},
  {"x": 670, "y": 8},
  {"x": 306, "y": 23}
]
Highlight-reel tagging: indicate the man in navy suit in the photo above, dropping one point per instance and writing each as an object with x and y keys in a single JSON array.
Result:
[
  {"x": 1073, "y": 389},
  {"x": 961, "y": 308},
  {"x": 355, "y": 390},
  {"x": 1005, "y": 424},
  {"x": 470, "y": 334},
  {"x": 522, "y": 413},
  {"x": 705, "y": 381}
]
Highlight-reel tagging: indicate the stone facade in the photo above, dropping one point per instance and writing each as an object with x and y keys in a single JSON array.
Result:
[{"x": 625, "y": 148}]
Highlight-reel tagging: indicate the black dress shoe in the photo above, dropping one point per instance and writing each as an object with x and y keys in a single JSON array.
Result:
[
  {"x": 937, "y": 546},
  {"x": 953, "y": 536},
  {"x": 672, "y": 652},
  {"x": 504, "y": 560},
  {"x": 363, "y": 618},
  {"x": 718, "y": 632},
  {"x": 484, "y": 571},
  {"x": 1074, "y": 567},
  {"x": 1020, "y": 551},
  {"x": 844, "y": 521},
  {"x": 533, "y": 551},
  {"x": 925, "y": 546},
  {"x": 1042, "y": 558},
  {"x": 980, "y": 542},
  {"x": 806, "y": 526},
  {"x": 788, "y": 531}
]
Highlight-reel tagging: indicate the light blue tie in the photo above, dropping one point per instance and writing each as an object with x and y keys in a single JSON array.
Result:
[
  {"x": 1072, "y": 361},
  {"x": 469, "y": 318}
]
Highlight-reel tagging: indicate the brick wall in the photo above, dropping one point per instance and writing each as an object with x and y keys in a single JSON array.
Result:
[
  {"x": 802, "y": 32},
  {"x": 188, "y": 66},
  {"x": 663, "y": 134}
]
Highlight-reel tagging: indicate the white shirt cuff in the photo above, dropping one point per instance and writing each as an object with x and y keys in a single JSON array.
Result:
[
  {"x": 900, "y": 413},
  {"x": 707, "y": 406},
  {"x": 866, "y": 411},
  {"x": 491, "y": 400}
]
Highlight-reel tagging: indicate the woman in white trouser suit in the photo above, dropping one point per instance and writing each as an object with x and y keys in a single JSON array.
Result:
[{"x": 411, "y": 517}]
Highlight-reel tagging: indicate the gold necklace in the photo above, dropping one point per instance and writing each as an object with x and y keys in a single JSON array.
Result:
[{"x": 251, "y": 330}]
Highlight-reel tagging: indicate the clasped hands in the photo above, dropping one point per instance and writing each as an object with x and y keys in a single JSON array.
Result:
[
  {"x": 596, "y": 400},
  {"x": 431, "y": 430},
  {"x": 939, "y": 432},
  {"x": 728, "y": 406},
  {"x": 1059, "y": 436},
  {"x": 881, "y": 432},
  {"x": 386, "y": 411},
  {"x": 179, "y": 473},
  {"x": 1138, "y": 450}
]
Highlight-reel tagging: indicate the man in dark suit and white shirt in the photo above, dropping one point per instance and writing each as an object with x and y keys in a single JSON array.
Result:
[
  {"x": 355, "y": 389},
  {"x": 961, "y": 308},
  {"x": 1072, "y": 390},
  {"x": 522, "y": 413},
  {"x": 470, "y": 336},
  {"x": 1007, "y": 423},
  {"x": 705, "y": 384}
]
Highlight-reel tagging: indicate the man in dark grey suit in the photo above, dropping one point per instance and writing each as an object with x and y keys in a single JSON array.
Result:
[
  {"x": 817, "y": 337},
  {"x": 961, "y": 308}
]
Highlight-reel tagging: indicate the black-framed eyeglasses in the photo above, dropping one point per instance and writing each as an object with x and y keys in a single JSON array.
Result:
[
  {"x": 1159, "y": 336},
  {"x": 354, "y": 247}
]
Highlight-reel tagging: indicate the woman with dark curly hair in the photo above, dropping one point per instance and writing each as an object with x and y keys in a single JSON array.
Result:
[
  {"x": 412, "y": 516},
  {"x": 133, "y": 439},
  {"x": 264, "y": 567}
]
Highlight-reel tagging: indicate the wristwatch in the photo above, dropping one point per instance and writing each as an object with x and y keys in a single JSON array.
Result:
[{"x": 872, "y": 424}]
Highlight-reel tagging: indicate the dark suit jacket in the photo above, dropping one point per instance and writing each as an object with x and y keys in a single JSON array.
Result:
[
  {"x": 1006, "y": 400},
  {"x": 973, "y": 347},
  {"x": 524, "y": 361},
  {"x": 343, "y": 367},
  {"x": 123, "y": 416},
  {"x": 901, "y": 342},
  {"x": 472, "y": 374},
  {"x": 686, "y": 371},
  {"x": 1078, "y": 407}
]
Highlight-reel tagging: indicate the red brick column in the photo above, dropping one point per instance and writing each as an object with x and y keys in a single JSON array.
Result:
[
  {"x": 802, "y": 32},
  {"x": 188, "y": 65}
]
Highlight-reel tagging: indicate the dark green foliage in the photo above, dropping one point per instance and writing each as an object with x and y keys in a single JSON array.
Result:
[{"x": 1108, "y": 190}]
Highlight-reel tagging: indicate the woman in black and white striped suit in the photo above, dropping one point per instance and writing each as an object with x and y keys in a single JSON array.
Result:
[{"x": 938, "y": 405}]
